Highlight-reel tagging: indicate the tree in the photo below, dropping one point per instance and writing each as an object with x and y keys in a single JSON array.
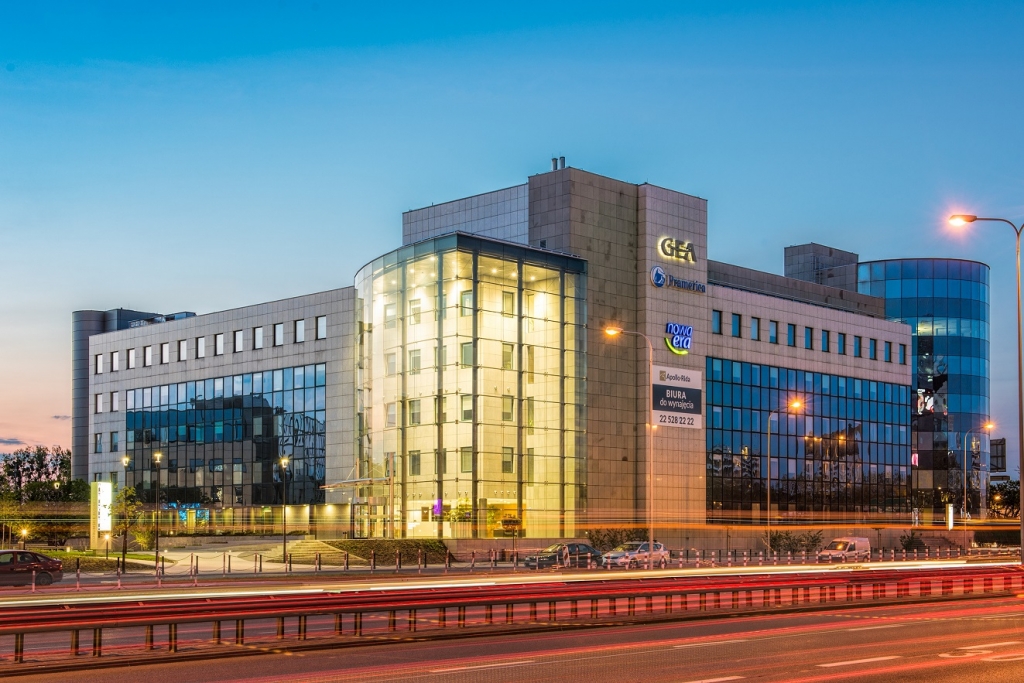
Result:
[
  {"x": 9, "y": 509},
  {"x": 34, "y": 466},
  {"x": 127, "y": 512},
  {"x": 1004, "y": 499}
]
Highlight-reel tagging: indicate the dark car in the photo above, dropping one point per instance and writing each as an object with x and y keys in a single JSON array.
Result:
[
  {"x": 564, "y": 555},
  {"x": 16, "y": 567}
]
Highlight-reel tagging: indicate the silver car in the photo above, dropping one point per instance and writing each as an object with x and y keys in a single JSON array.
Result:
[{"x": 634, "y": 554}]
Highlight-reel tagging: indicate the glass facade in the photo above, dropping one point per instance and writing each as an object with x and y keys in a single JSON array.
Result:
[
  {"x": 946, "y": 304},
  {"x": 222, "y": 438},
  {"x": 470, "y": 395},
  {"x": 847, "y": 450}
]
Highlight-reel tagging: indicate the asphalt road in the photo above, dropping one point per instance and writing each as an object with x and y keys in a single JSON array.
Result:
[{"x": 979, "y": 640}]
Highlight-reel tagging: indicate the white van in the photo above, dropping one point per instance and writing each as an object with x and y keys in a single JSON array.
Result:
[{"x": 846, "y": 549}]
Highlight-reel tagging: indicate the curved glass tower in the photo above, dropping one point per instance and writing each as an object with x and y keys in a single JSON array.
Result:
[
  {"x": 946, "y": 304},
  {"x": 470, "y": 397}
]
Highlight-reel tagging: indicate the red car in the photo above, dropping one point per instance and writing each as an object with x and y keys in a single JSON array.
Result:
[{"x": 16, "y": 567}]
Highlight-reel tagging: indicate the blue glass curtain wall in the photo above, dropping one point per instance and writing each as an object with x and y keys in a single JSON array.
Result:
[
  {"x": 847, "y": 450},
  {"x": 222, "y": 438}
]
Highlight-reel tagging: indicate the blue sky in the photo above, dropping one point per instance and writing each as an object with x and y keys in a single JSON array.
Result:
[{"x": 183, "y": 157}]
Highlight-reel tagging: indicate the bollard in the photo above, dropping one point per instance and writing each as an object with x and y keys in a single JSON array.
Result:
[
  {"x": 172, "y": 637},
  {"x": 280, "y": 628},
  {"x": 337, "y": 624},
  {"x": 78, "y": 574},
  {"x": 239, "y": 632},
  {"x": 74, "y": 643},
  {"x": 358, "y": 624},
  {"x": 419, "y": 561},
  {"x": 302, "y": 627},
  {"x": 462, "y": 617},
  {"x": 373, "y": 560},
  {"x": 33, "y": 580},
  {"x": 149, "y": 637},
  {"x": 216, "y": 633},
  {"x": 254, "y": 560},
  {"x": 224, "y": 564},
  {"x": 744, "y": 558},
  {"x": 316, "y": 567},
  {"x": 119, "y": 575},
  {"x": 229, "y": 563},
  {"x": 97, "y": 642},
  {"x": 447, "y": 560},
  {"x": 346, "y": 560},
  {"x": 681, "y": 559},
  {"x": 442, "y": 617},
  {"x": 19, "y": 647},
  {"x": 398, "y": 560},
  {"x": 472, "y": 561},
  {"x": 195, "y": 578},
  {"x": 289, "y": 568},
  {"x": 803, "y": 557}
]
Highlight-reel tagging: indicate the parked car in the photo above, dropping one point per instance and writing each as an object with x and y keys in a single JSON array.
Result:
[
  {"x": 16, "y": 567},
  {"x": 634, "y": 554},
  {"x": 563, "y": 555},
  {"x": 845, "y": 549}
]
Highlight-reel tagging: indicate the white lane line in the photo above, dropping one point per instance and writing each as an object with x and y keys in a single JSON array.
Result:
[
  {"x": 873, "y": 628},
  {"x": 988, "y": 645},
  {"x": 717, "y": 680},
  {"x": 713, "y": 642},
  {"x": 858, "y": 661},
  {"x": 483, "y": 666}
]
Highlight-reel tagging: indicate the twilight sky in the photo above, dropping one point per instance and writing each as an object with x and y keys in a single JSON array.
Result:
[{"x": 187, "y": 158}]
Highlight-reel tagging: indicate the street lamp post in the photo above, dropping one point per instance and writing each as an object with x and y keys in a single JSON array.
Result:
[
  {"x": 125, "y": 460},
  {"x": 794, "y": 405},
  {"x": 156, "y": 512},
  {"x": 987, "y": 426},
  {"x": 612, "y": 332},
  {"x": 963, "y": 219},
  {"x": 284, "y": 510}
]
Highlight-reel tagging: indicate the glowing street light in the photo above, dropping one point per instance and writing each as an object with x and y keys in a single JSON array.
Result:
[{"x": 962, "y": 219}]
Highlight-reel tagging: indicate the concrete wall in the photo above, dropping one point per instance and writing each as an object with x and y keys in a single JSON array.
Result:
[{"x": 501, "y": 214}]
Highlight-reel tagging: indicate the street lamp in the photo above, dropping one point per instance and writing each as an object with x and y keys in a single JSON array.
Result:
[
  {"x": 988, "y": 426},
  {"x": 156, "y": 512},
  {"x": 795, "y": 404},
  {"x": 614, "y": 332},
  {"x": 964, "y": 219},
  {"x": 284, "y": 510}
]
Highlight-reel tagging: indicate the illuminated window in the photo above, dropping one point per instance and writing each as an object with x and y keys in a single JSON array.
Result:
[
  {"x": 507, "y": 408},
  {"x": 507, "y": 460}
]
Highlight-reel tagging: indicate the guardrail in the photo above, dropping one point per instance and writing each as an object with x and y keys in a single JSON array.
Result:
[{"x": 476, "y": 608}]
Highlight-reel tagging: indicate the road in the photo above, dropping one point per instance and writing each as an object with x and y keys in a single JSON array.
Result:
[{"x": 980, "y": 640}]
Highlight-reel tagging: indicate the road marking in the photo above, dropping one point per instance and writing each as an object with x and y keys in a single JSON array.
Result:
[
  {"x": 988, "y": 645},
  {"x": 482, "y": 666},
  {"x": 717, "y": 680},
  {"x": 713, "y": 642},
  {"x": 859, "y": 661},
  {"x": 872, "y": 628}
]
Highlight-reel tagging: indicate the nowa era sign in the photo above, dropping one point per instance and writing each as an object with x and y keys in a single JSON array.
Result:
[{"x": 677, "y": 397}]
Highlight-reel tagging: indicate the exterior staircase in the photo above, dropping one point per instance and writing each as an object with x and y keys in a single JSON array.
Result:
[{"x": 304, "y": 552}]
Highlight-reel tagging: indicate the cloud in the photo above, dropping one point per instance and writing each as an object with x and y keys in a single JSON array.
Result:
[
  {"x": 11, "y": 442},
  {"x": 61, "y": 417}
]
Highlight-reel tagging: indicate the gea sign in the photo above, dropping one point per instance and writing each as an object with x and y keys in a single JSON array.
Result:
[{"x": 677, "y": 249}]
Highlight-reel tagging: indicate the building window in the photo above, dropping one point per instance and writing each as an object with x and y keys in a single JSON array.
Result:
[
  {"x": 414, "y": 463},
  {"x": 200, "y": 347},
  {"x": 147, "y": 356},
  {"x": 716, "y": 322},
  {"x": 737, "y": 322},
  {"x": 300, "y": 331},
  {"x": 415, "y": 309},
  {"x": 507, "y": 410},
  {"x": 466, "y": 303},
  {"x": 115, "y": 361},
  {"x": 790, "y": 334},
  {"x": 115, "y": 401},
  {"x": 99, "y": 364},
  {"x": 888, "y": 352},
  {"x": 131, "y": 359},
  {"x": 98, "y": 406},
  {"x": 773, "y": 332},
  {"x": 218, "y": 344},
  {"x": 856, "y": 346},
  {"x": 97, "y": 443},
  {"x": 466, "y": 459},
  {"x": 114, "y": 442},
  {"x": 873, "y": 349},
  {"x": 390, "y": 316},
  {"x": 165, "y": 353},
  {"x": 755, "y": 329},
  {"x": 841, "y": 343},
  {"x": 903, "y": 354},
  {"x": 826, "y": 345},
  {"x": 508, "y": 356},
  {"x": 467, "y": 354},
  {"x": 467, "y": 407},
  {"x": 390, "y": 364},
  {"x": 508, "y": 460},
  {"x": 279, "y": 334},
  {"x": 391, "y": 415},
  {"x": 321, "y": 326},
  {"x": 239, "y": 344},
  {"x": 414, "y": 361},
  {"x": 414, "y": 411},
  {"x": 808, "y": 337},
  {"x": 257, "y": 337},
  {"x": 508, "y": 304}
]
